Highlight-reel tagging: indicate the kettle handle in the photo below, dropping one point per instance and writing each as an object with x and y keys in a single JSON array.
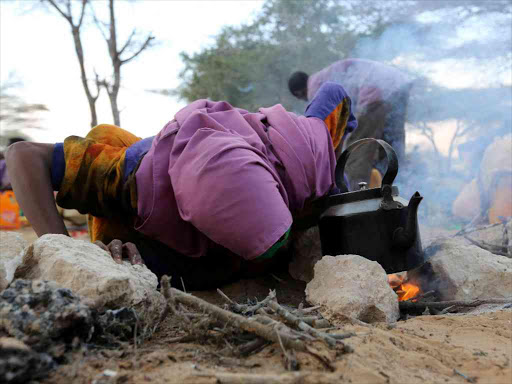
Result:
[{"x": 391, "y": 171}]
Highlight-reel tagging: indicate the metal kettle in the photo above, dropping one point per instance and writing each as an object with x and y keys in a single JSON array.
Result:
[{"x": 374, "y": 223}]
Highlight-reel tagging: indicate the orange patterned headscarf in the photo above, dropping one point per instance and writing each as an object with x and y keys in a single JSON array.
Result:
[{"x": 93, "y": 179}]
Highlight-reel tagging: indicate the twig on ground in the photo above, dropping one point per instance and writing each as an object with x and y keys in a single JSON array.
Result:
[
  {"x": 251, "y": 378},
  {"x": 310, "y": 309},
  {"x": 181, "y": 339},
  {"x": 316, "y": 322},
  {"x": 261, "y": 304},
  {"x": 468, "y": 379},
  {"x": 341, "y": 336},
  {"x": 290, "y": 362},
  {"x": 447, "y": 309},
  {"x": 165, "y": 288},
  {"x": 252, "y": 346},
  {"x": 238, "y": 321},
  {"x": 289, "y": 317},
  {"x": 234, "y": 306},
  {"x": 404, "y": 305}
]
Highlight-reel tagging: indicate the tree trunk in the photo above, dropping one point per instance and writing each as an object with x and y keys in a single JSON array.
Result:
[{"x": 116, "y": 65}]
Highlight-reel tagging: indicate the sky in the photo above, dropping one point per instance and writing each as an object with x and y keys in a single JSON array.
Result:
[{"x": 37, "y": 45}]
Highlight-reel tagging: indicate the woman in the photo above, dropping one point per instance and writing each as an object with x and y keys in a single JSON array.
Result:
[{"x": 209, "y": 199}]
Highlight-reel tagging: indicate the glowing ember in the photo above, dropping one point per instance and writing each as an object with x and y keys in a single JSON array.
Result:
[{"x": 404, "y": 290}]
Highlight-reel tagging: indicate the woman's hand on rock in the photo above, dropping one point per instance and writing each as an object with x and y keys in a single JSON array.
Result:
[{"x": 118, "y": 250}]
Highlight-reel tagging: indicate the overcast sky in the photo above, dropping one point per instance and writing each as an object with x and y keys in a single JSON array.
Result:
[{"x": 38, "y": 46}]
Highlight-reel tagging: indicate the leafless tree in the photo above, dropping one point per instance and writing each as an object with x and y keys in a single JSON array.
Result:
[
  {"x": 119, "y": 56},
  {"x": 64, "y": 8},
  {"x": 129, "y": 50}
]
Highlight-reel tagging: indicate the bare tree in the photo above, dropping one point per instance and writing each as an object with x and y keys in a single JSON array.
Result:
[
  {"x": 64, "y": 8},
  {"x": 130, "y": 49}
]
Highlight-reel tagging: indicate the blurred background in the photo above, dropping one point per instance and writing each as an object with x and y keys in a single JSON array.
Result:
[{"x": 68, "y": 65}]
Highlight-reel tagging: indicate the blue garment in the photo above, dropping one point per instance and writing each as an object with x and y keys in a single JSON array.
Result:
[
  {"x": 328, "y": 97},
  {"x": 134, "y": 153}
]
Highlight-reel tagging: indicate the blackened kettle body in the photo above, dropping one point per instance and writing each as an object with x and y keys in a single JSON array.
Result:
[{"x": 374, "y": 223}]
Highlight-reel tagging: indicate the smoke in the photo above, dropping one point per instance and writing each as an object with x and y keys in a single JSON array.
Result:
[{"x": 460, "y": 60}]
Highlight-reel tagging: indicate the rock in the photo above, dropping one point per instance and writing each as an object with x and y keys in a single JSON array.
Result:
[
  {"x": 306, "y": 251},
  {"x": 494, "y": 237},
  {"x": 44, "y": 316},
  {"x": 457, "y": 271},
  {"x": 352, "y": 286},
  {"x": 12, "y": 246},
  {"x": 20, "y": 364},
  {"x": 90, "y": 272}
]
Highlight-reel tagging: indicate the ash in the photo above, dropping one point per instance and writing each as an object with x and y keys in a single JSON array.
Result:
[
  {"x": 42, "y": 315},
  {"x": 20, "y": 364},
  {"x": 40, "y": 322}
]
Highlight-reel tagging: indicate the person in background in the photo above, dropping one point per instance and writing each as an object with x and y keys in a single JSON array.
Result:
[
  {"x": 488, "y": 197},
  {"x": 5, "y": 184},
  {"x": 209, "y": 199},
  {"x": 379, "y": 95}
]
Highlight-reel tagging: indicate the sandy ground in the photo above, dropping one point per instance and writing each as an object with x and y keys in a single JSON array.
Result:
[
  {"x": 475, "y": 348},
  {"x": 426, "y": 349}
]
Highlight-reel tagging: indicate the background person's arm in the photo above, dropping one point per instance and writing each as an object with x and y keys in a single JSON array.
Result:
[{"x": 29, "y": 167}]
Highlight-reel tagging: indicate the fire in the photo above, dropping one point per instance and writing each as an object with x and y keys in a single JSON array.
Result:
[{"x": 404, "y": 289}]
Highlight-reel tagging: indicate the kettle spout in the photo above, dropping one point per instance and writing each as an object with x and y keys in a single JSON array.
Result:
[{"x": 405, "y": 237}]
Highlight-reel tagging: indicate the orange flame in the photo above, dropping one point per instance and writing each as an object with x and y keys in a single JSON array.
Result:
[{"x": 405, "y": 290}]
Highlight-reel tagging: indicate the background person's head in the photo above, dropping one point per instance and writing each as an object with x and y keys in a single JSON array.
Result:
[{"x": 298, "y": 85}]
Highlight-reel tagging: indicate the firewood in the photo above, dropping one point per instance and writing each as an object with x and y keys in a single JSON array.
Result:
[
  {"x": 421, "y": 305},
  {"x": 251, "y": 378},
  {"x": 289, "y": 317},
  {"x": 235, "y": 320}
]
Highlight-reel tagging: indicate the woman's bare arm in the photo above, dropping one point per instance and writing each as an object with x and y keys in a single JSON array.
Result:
[{"x": 29, "y": 167}]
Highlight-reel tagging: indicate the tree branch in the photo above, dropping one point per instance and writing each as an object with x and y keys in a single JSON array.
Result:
[
  {"x": 100, "y": 24},
  {"x": 67, "y": 17},
  {"x": 127, "y": 42},
  {"x": 82, "y": 14},
  {"x": 143, "y": 47}
]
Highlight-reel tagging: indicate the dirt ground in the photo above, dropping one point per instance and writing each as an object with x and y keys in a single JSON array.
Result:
[{"x": 474, "y": 348}]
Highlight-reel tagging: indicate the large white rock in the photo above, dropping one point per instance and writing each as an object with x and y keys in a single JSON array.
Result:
[
  {"x": 90, "y": 272},
  {"x": 353, "y": 286},
  {"x": 464, "y": 272},
  {"x": 12, "y": 245},
  {"x": 306, "y": 250}
]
